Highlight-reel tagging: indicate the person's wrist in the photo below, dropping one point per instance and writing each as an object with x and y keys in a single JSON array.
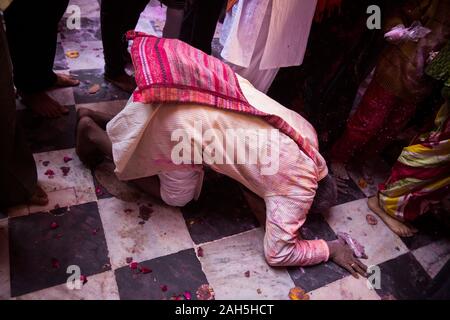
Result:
[{"x": 332, "y": 245}]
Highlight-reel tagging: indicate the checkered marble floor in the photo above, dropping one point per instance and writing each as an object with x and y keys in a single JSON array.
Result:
[{"x": 101, "y": 233}]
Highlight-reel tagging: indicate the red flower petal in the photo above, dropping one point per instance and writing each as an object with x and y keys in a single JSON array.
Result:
[
  {"x": 98, "y": 191},
  {"x": 67, "y": 159},
  {"x": 247, "y": 274},
  {"x": 65, "y": 170},
  {"x": 187, "y": 295},
  {"x": 145, "y": 270},
  {"x": 145, "y": 212},
  {"x": 205, "y": 292},
  {"x": 45, "y": 163},
  {"x": 163, "y": 288},
  {"x": 83, "y": 279},
  {"x": 133, "y": 265},
  {"x": 55, "y": 263},
  {"x": 49, "y": 172},
  {"x": 54, "y": 225},
  {"x": 129, "y": 260},
  {"x": 200, "y": 252},
  {"x": 371, "y": 220}
]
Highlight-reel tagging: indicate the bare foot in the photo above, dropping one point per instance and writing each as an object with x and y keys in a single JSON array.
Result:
[
  {"x": 339, "y": 171},
  {"x": 123, "y": 81},
  {"x": 42, "y": 105},
  {"x": 395, "y": 225},
  {"x": 39, "y": 197},
  {"x": 65, "y": 80}
]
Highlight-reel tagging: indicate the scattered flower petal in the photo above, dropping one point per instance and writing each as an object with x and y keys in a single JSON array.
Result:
[
  {"x": 371, "y": 220},
  {"x": 83, "y": 279},
  {"x": 187, "y": 295},
  {"x": 98, "y": 191},
  {"x": 65, "y": 171},
  {"x": 129, "y": 260},
  {"x": 94, "y": 88},
  {"x": 247, "y": 274},
  {"x": 205, "y": 292},
  {"x": 54, "y": 225},
  {"x": 55, "y": 263},
  {"x": 49, "y": 172},
  {"x": 67, "y": 159},
  {"x": 163, "y": 288},
  {"x": 362, "y": 183},
  {"x": 145, "y": 270},
  {"x": 45, "y": 163},
  {"x": 145, "y": 212},
  {"x": 72, "y": 54},
  {"x": 200, "y": 252},
  {"x": 258, "y": 291},
  {"x": 133, "y": 265},
  {"x": 297, "y": 293}
]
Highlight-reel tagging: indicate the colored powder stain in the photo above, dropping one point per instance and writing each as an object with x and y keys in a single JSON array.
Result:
[
  {"x": 65, "y": 171},
  {"x": 297, "y": 293}
]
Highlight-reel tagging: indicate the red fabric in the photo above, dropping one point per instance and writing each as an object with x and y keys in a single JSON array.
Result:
[
  {"x": 171, "y": 71},
  {"x": 401, "y": 171},
  {"x": 378, "y": 120}
]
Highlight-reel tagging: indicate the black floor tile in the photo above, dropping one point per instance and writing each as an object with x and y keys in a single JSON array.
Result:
[
  {"x": 314, "y": 277},
  {"x": 170, "y": 276},
  {"x": 350, "y": 193},
  {"x": 88, "y": 78},
  {"x": 220, "y": 211},
  {"x": 403, "y": 278},
  {"x": 49, "y": 134},
  {"x": 40, "y": 255},
  {"x": 430, "y": 230}
]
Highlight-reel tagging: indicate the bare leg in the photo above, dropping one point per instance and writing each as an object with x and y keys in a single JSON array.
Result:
[
  {"x": 100, "y": 118},
  {"x": 42, "y": 105},
  {"x": 92, "y": 142},
  {"x": 39, "y": 198},
  {"x": 395, "y": 225}
]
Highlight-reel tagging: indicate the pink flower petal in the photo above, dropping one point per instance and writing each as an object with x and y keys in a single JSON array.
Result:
[
  {"x": 54, "y": 225},
  {"x": 45, "y": 163},
  {"x": 247, "y": 274},
  {"x": 200, "y": 252},
  {"x": 163, "y": 288},
  {"x": 83, "y": 279},
  {"x": 55, "y": 263},
  {"x": 65, "y": 171},
  {"x": 187, "y": 295},
  {"x": 133, "y": 265},
  {"x": 129, "y": 260},
  {"x": 145, "y": 270},
  {"x": 49, "y": 172},
  {"x": 67, "y": 159}
]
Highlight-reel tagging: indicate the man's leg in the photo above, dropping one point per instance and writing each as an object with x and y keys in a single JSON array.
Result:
[
  {"x": 117, "y": 18},
  {"x": 18, "y": 176},
  {"x": 32, "y": 28},
  {"x": 200, "y": 23}
]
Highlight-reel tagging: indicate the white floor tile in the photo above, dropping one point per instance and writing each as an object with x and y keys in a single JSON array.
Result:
[
  {"x": 433, "y": 256},
  {"x": 380, "y": 243},
  {"x": 101, "y": 286},
  {"x": 163, "y": 234},
  {"x": 226, "y": 261},
  {"x": 347, "y": 288}
]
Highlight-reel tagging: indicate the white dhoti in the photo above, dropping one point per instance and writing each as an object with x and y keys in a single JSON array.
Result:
[{"x": 261, "y": 36}]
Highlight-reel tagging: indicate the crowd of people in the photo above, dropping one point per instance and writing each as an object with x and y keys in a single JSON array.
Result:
[{"x": 177, "y": 84}]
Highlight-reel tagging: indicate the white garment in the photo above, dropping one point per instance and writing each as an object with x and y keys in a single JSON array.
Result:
[
  {"x": 179, "y": 187},
  {"x": 261, "y": 36}
]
